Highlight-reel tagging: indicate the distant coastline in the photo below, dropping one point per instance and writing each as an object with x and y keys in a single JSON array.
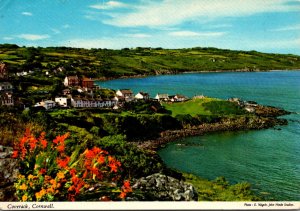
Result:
[{"x": 187, "y": 72}]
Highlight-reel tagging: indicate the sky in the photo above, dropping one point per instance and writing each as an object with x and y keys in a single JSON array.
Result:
[{"x": 262, "y": 25}]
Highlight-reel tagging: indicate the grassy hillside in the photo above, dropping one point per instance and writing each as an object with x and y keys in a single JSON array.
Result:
[
  {"x": 141, "y": 61},
  {"x": 205, "y": 106}
]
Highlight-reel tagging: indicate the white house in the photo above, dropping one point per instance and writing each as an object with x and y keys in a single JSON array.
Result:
[
  {"x": 127, "y": 94},
  {"x": 178, "y": 98},
  {"x": 142, "y": 96},
  {"x": 47, "y": 104},
  {"x": 61, "y": 101},
  {"x": 162, "y": 97},
  {"x": 92, "y": 103}
]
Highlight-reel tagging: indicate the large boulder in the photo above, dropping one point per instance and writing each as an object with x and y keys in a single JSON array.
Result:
[
  {"x": 159, "y": 187},
  {"x": 8, "y": 174}
]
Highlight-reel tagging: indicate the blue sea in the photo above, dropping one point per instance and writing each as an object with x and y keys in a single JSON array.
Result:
[{"x": 268, "y": 159}]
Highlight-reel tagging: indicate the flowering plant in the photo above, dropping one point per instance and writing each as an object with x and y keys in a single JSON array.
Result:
[{"x": 48, "y": 173}]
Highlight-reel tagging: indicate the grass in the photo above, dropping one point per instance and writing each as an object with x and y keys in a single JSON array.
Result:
[
  {"x": 205, "y": 106},
  {"x": 220, "y": 189},
  {"x": 191, "y": 107}
]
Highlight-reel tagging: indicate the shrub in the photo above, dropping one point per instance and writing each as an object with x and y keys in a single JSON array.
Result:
[{"x": 48, "y": 173}]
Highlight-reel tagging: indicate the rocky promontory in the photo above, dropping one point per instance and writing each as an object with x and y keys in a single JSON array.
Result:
[{"x": 263, "y": 117}]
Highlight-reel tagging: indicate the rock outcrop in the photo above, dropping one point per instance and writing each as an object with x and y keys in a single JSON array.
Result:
[
  {"x": 159, "y": 187},
  {"x": 8, "y": 174}
]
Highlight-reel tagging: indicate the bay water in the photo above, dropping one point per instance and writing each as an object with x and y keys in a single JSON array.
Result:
[{"x": 269, "y": 159}]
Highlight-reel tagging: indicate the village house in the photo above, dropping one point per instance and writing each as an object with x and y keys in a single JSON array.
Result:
[
  {"x": 66, "y": 92},
  {"x": 6, "y": 86},
  {"x": 87, "y": 83},
  {"x": 47, "y": 104},
  {"x": 162, "y": 97},
  {"x": 142, "y": 96},
  {"x": 63, "y": 101},
  {"x": 78, "y": 102},
  {"x": 125, "y": 94},
  {"x": 6, "y": 99},
  {"x": 71, "y": 81},
  {"x": 178, "y": 98},
  {"x": 3, "y": 70}
]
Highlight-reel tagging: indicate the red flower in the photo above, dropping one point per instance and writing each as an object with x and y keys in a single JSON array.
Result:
[
  {"x": 60, "y": 148},
  {"x": 32, "y": 143},
  {"x": 15, "y": 154},
  {"x": 73, "y": 172},
  {"x": 113, "y": 164},
  {"x": 42, "y": 171},
  {"x": 122, "y": 195},
  {"x": 43, "y": 143},
  {"x": 101, "y": 159},
  {"x": 62, "y": 163},
  {"x": 127, "y": 184}
]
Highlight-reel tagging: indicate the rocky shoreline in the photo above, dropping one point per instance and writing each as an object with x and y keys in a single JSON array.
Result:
[{"x": 266, "y": 117}]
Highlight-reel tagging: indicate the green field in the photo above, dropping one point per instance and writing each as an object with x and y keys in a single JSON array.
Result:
[
  {"x": 191, "y": 107},
  {"x": 142, "y": 61},
  {"x": 205, "y": 106}
]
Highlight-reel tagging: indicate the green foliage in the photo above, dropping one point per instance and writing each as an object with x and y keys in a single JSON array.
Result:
[
  {"x": 145, "y": 107},
  {"x": 135, "y": 163},
  {"x": 223, "y": 107},
  {"x": 220, "y": 189}
]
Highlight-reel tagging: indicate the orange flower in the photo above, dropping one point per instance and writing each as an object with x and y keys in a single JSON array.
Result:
[
  {"x": 122, "y": 195},
  {"x": 24, "y": 197},
  {"x": 127, "y": 184},
  {"x": 60, "y": 148},
  {"x": 113, "y": 164},
  {"x": 60, "y": 175},
  {"x": 101, "y": 159},
  {"x": 43, "y": 143},
  {"x": 62, "y": 163},
  {"x": 23, "y": 187},
  {"x": 32, "y": 143},
  {"x": 40, "y": 194}
]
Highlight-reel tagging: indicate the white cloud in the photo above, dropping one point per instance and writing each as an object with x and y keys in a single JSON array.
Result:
[
  {"x": 196, "y": 34},
  {"x": 8, "y": 38},
  {"x": 33, "y": 36},
  {"x": 173, "y": 12},
  {"x": 138, "y": 35},
  {"x": 27, "y": 13},
  {"x": 108, "y": 5},
  {"x": 288, "y": 28},
  {"x": 66, "y": 26}
]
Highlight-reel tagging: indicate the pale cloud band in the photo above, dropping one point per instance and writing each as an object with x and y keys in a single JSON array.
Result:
[
  {"x": 108, "y": 5},
  {"x": 33, "y": 36},
  {"x": 196, "y": 34},
  {"x": 26, "y": 13},
  {"x": 172, "y": 12}
]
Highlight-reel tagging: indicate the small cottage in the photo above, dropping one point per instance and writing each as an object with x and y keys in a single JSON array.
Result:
[
  {"x": 142, "y": 96},
  {"x": 162, "y": 97},
  {"x": 126, "y": 93},
  {"x": 71, "y": 81}
]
